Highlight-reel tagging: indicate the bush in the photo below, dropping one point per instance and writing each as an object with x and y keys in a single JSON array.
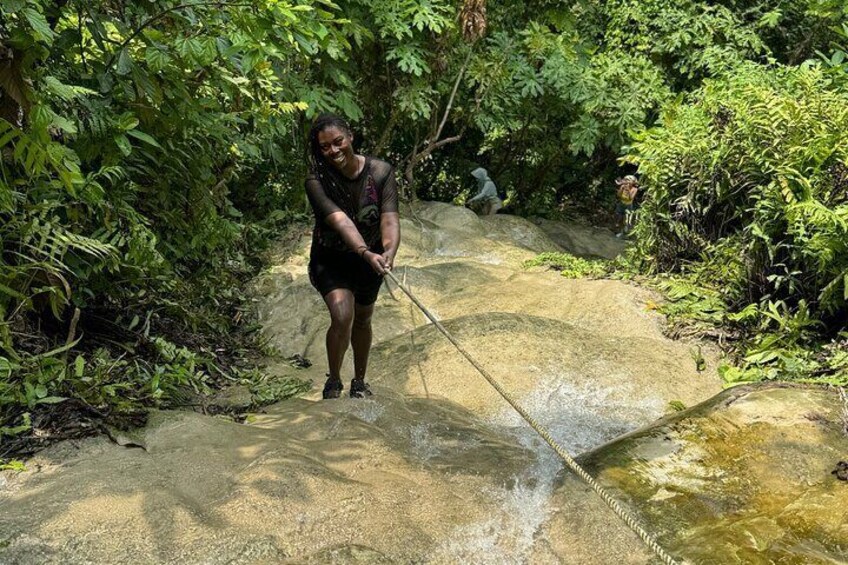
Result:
[
  {"x": 747, "y": 196},
  {"x": 749, "y": 178},
  {"x": 570, "y": 266}
]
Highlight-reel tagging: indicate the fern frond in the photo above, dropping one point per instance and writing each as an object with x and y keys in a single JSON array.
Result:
[
  {"x": 51, "y": 241},
  {"x": 8, "y": 133},
  {"x": 65, "y": 91},
  {"x": 819, "y": 216}
]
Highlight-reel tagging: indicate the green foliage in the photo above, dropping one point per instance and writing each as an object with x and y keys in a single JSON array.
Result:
[
  {"x": 12, "y": 465},
  {"x": 836, "y": 59},
  {"x": 768, "y": 342},
  {"x": 267, "y": 390},
  {"x": 690, "y": 40},
  {"x": 606, "y": 95},
  {"x": 570, "y": 266},
  {"x": 397, "y": 43},
  {"x": 794, "y": 30},
  {"x": 677, "y": 405},
  {"x": 568, "y": 87},
  {"x": 767, "y": 339},
  {"x": 825, "y": 364},
  {"x": 785, "y": 343},
  {"x": 690, "y": 304},
  {"x": 128, "y": 135},
  {"x": 754, "y": 166}
]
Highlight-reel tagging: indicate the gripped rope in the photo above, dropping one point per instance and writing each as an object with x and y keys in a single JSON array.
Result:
[{"x": 575, "y": 467}]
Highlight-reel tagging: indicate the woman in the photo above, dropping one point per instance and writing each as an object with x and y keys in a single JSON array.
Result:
[{"x": 354, "y": 242}]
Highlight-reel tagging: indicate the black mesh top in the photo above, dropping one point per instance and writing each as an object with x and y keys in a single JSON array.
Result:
[{"x": 363, "y": 199}]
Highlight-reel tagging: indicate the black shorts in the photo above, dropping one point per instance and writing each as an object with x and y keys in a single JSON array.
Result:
[{"x": 329, "y": 270}]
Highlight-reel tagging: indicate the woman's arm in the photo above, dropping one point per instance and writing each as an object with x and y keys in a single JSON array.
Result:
[
  {"x": 337, "y": 220},
  {"x": 390, "y": 232},
  {"x": 347, "y": 230},
  {"x": 389, "y": 218},
  {"x": 344, "y": 226},
  {"x": 333, "y": 216}
]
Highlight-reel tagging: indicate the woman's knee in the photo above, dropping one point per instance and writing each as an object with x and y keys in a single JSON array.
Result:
[
  {"x": 362, "y": 316},
  {"x": 341, "y": 319},
  {"x": 340, "y": 306}
]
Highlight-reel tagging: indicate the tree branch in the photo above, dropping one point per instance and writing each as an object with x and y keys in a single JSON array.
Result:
[
  {"x": 386, "y": 136},
  {"x": 453, "y": 94},
  {"x": 433, "y": 142},
  {"x": 433, "y": 146}
]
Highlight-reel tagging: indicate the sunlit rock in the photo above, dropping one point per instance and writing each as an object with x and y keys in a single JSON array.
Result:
[{"x": 745, "y": 477}]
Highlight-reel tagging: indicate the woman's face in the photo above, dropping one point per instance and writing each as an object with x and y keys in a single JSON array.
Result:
[{"x": 336, "y": 146}]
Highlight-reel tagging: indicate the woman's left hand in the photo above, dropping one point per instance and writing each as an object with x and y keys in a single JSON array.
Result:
[
  {"x": 377, "y": 262},
  {"x": 389, "y": 260}
]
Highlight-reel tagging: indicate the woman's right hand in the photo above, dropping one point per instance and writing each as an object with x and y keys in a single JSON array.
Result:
[{"x": 377, "y": 262}]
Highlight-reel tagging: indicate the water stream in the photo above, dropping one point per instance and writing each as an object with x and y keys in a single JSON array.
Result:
[{"x": 580, "y": 418}]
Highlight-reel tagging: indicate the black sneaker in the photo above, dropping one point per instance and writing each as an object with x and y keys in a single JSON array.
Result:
[
  {"x": 332, "y": 388},
  {"x": 359, "y": 388}
]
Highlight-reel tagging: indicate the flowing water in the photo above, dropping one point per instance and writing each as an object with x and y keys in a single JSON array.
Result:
[{"x": 579, "y": 418}]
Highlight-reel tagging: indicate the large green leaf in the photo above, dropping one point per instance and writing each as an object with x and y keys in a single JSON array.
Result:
[
  {"x": 39, "y": 25},
  {"x": 123, "y": 144},
  {"x": 158, "y": 59},
  {"x": 140, "y": 135},
  {"x": 12, "y": 6},
  {"x": 125, "y": 63}
]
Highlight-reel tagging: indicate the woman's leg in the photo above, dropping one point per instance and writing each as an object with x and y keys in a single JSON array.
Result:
[
  {"x": 341, "y": 305},
  {"x": 361, "y": 338}
]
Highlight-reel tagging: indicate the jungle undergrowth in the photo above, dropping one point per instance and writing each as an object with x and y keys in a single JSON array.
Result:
[{"x": 171, "y": 345}]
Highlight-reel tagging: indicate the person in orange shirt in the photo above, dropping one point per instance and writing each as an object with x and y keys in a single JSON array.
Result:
[{"x": 626, "y": 191}]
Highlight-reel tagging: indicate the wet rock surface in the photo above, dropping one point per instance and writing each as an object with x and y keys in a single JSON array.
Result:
[
  {"x": 582, "y": 239},
  {"x": 435, "y": 468},
  {"x": 744, "y": 477}
]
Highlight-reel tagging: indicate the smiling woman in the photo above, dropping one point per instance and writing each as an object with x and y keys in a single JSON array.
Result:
[{"x": 354, "y": 242}]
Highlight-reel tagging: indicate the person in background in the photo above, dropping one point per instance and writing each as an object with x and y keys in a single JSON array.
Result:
[
  {"x": 486, "y": 201},
  {"x": 354, "y": 242},
  {"x": 626, "y": 190}
]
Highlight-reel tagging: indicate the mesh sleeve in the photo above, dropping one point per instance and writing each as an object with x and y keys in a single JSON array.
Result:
[
  {"x": 322, "y": 204},
  {"x": 385, "y": 175}
]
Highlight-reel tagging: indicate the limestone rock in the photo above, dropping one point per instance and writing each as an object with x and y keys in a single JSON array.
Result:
[
  {"x": 232, "y": 399},
  {"x": 744, "y": 477}
]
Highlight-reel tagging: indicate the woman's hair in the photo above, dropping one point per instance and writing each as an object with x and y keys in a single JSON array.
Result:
[{"x": 326, "y": 175}]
